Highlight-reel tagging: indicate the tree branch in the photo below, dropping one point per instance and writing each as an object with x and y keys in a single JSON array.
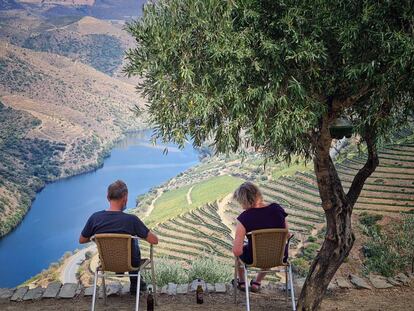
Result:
[
  {"x": 369, "y": 167},
  {"x": 340, "y": 105}
]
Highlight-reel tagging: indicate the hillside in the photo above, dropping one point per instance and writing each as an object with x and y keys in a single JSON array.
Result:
[
  {"x": 25, "y": 164},
  {"x": 89, "y": 40},
  {"x": 207, "y": 228},
  {"x": 100, "y": 44},
  {"x": 76, "y": 106}
]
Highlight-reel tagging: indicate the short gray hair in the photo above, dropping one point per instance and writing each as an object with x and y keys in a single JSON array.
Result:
[
  {"x": 117, "y": 190},
  {"x": 247, "y": 194}
]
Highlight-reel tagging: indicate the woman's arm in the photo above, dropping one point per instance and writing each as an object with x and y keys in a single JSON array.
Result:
[{"x": 238, "y": 240}]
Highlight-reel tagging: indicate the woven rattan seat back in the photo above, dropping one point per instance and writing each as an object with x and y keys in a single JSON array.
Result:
[
  {"x": 114, "y": 251},
  {"x": 268, "y": 247}
]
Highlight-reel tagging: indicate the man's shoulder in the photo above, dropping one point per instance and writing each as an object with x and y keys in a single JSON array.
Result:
[
  {"x": 130, "y": 217},
  {"x": 97, "y": 214}
]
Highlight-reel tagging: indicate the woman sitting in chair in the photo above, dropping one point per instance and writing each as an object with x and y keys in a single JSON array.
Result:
[{"x": 256, "y": 215}]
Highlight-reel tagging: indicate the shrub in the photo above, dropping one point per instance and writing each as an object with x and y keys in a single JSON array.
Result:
[
  {"x": 309, "y": 251},
  {"x": 167, "y": 271},
  {"x": 369, "y": 224},
  {"x": 210, "y": 270},
  {"x": 300, "y": 266},
  {"x": 389, "y": 253}
]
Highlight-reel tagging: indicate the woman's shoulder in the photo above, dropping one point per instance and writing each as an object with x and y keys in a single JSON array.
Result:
[{"x": 277, "y": 208}]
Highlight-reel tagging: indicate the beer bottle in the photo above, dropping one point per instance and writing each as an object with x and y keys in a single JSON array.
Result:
[
  {"x": 150, "y": 300},
  {"x": 199, "y": 294}
]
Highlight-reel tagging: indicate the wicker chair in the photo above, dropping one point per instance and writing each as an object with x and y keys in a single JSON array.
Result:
[
  {"x": 268, "y": 246},
  {"x": 115, "y": 256}
]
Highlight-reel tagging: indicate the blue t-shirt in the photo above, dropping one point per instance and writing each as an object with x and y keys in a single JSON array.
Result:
[
  {"x": 269, "y": 217},
  {"x": 117, "y": 222}
]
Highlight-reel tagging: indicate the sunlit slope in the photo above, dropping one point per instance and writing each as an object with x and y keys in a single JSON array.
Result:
[
  {"x": 177, "y": 201},
  {"x": 77, "y": 105}
]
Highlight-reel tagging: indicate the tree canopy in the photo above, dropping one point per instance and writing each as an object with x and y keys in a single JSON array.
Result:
[
  {"x": 271, "y": 70},
  {"x": 275, "y": 75}
]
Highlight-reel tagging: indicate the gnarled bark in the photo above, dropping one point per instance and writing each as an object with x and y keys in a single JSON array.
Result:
[{"x": 338, "y": 206}]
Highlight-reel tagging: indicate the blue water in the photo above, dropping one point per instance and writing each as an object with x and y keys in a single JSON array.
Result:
[{"x": 61, "y": 209}]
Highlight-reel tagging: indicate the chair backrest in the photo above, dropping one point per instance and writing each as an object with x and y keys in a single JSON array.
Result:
[
  {"x": 268, "y": 246},
  {"x": 114, "y": 251}
]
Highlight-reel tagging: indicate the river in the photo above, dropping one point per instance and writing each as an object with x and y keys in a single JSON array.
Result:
[{"x": 61, "y": 209}]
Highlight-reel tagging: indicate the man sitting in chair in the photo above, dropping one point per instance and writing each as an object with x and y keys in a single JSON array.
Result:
[
  {"x": 114, "y": 220},
  {"x": 257, "y": 215}
]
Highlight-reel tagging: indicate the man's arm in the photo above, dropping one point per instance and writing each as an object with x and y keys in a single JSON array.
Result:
[
  {"x": 83, "y": 240},
  {"x": 87, "y": 231},
  {"x": 152, "y": 238}
]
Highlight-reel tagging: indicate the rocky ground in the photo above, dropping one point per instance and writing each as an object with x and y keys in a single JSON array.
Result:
[
  {"x": 352, "y": 296},
  {"x": 401, "y": 298}
]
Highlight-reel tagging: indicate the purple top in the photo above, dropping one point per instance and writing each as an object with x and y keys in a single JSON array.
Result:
[{"x": 269, "y": 217}]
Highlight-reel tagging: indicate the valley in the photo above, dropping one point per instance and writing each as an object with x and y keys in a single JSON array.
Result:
[{"x": 64, "y": 76}]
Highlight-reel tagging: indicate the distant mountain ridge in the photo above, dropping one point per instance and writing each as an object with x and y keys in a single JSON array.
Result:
[
  {"x": 104, "y": 9},
  {"x": 61, "y": 2},
  {"x": 10, "y": 5}
]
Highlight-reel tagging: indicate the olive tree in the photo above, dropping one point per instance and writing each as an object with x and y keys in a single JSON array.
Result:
[{"x": 274, "y": 75}]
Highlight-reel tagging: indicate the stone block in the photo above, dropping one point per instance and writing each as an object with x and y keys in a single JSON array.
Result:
[
  {"x": 6, "y": 293},
  {"x": 210, "y": 288},
  {"x": 343, "y": 283},
  {"x": 113, "y": 289},
  {"x": 89, "y": 291},
  {"x": 68, "y": 290},
  {"x": 182, "y": 288},
  {"x": 332, "y": 286},
  {"x": 379, "y": 282},
  {"x": 359, "y": 282},
  {"x": 394, "y": 282},
  {"x": 164, "y": 289},
  {"x": 172, "y": 289},
  {"x": 195, "y": 283},
  {"x": 125, "y": 288},
  {"x": 52, "y": 290},
  {"x": 220, "y": 287},
  {"x": 19, "y": 293},
  {"x": 34, "y": 293},
  {"x": 401, "y": 277}
]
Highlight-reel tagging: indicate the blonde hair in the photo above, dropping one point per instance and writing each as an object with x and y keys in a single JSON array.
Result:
[{"x": 247, "y": 194}]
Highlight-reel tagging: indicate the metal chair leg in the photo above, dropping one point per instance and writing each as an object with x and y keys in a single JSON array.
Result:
[
  {"x": 153, "y": 277},
  {"x": 95, "y": 281},
  {"x": 138, "y": 288},
  {"x": 292, "y": 290},
  {"x": 247, "y": 289},
  {"x": 286, "y": 283},
  {"x": 104, "y": 288},
  {"x": 236, "y": 267}
]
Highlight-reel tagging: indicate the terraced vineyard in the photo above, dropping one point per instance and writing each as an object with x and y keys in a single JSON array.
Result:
[
  {"x": 389, "y": 190},
  {"x": 193, "y": 234},
  {"x": 202, "y": 230}
]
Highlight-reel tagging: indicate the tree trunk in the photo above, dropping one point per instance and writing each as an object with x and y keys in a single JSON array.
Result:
[
  {"x": 338, "y": 206},
  {"x": 339, "y": 240}
]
